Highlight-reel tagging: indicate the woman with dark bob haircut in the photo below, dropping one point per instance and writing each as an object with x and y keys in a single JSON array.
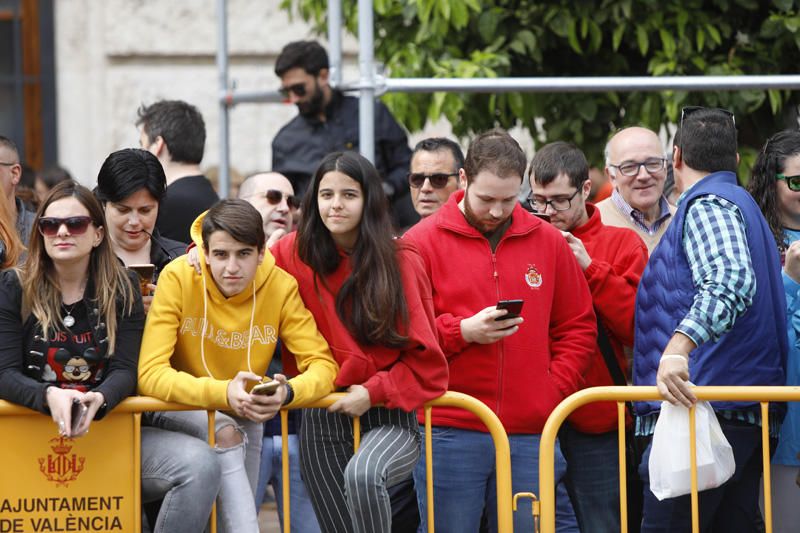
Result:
[
  {"x": 131, "y": 185},
  {"x": 775, "y": 186},
  {"x": 372, "y": 302}
]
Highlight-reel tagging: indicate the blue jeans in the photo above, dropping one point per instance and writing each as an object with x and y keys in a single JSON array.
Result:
[
  {"x": 238, "y": 465},
  {"x": 732, "y": 507},
  {"x": 188, "y": 482},
  {"x": 592, "y": 478},
  {"x": 303, "y": 519},
  {"x": 464, "y": 481}
]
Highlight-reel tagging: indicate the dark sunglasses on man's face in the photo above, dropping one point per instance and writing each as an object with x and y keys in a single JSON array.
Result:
[
  {"x": 275, "y": 196},
  {"x": 438, "y": 181},
  {"x": 48, "y": 226},
  {"x": 299, "y": 89},
  {"x": 793, "y": 182}
]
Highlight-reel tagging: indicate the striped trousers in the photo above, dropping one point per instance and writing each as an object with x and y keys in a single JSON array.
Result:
[{"x": 348, "y": 491}]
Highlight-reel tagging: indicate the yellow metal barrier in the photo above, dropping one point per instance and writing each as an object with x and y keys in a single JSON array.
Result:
[
  {"x": 763, "y": 395},
  {"x": 505, "y": 522},
  {"x": 135, "y": 405}
]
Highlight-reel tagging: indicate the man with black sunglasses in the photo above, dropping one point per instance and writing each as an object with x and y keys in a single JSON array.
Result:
[
  {"x": 433, "y": 175},
  {"x": 328, "y": 122},
  {"x": 272, "y": 195},
  {"x": 710, "y": 308}
]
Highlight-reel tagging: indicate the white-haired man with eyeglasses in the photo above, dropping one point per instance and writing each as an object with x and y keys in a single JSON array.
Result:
[{"x": 637, "y": 167}]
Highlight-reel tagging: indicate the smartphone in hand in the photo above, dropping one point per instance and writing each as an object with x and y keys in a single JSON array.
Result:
[
  {"x": 77, "y": 416},
  {"x": 146, "y": 273},
  {"x": 514, "y": 308},
  {"x": 266, "y": 388}
]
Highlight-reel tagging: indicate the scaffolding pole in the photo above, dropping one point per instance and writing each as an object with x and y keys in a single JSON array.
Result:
[
  {"x": 222, "y": 75},
  {"x": 366, "y": 64},
  {"x": 369, "y": 87}
]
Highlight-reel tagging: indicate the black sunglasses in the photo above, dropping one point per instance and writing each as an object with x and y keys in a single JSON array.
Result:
[
  {"x": 299, "y": 89},
  {"x": 48, "y": 226},
  {"x": 275, "y": 196},
  {"x": 438, "y": 181},
  {"x": 689, "y": 109},
  {"x": 793, "y": 182}
]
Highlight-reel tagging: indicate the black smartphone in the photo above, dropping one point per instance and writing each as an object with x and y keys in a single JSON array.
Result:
[
  {"x": 514, "y": 308},
  {"x": 78, "y": 414}
]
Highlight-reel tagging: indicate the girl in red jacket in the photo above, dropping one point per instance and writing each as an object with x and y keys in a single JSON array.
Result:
[{"x": 372, "y": 302}]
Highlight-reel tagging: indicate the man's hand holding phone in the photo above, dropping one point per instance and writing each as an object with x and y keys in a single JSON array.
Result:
[
  {"x": 490, "y": 324},
  {"x": 255, "y": 405}
]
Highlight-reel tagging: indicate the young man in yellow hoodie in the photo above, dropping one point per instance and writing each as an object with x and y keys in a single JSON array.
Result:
[{"x": 209, "y": 335}]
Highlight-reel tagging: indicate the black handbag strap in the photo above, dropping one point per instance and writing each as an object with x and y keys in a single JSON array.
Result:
[
  {"x": 603, "y": 342},
  {"x": 617, "y": 376}
]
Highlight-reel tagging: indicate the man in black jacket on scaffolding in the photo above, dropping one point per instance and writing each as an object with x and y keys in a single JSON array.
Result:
[{"x": 328, "y": 122}]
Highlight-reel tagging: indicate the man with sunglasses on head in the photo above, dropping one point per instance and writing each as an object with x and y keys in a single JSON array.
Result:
[
  {"x": 637, "y": 167},
  {"x": 433, "y": 175},
  {"x": 612, "y": 260},
  {"x": 328, "y": 122},
  {"x": 710, "y": 308}
]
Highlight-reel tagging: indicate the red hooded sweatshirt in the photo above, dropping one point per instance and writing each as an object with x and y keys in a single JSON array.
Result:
[
  {"x": 525, "y": 375},
  {"x": 397, "y": 378},
  {"x": 618, "y": 259}
]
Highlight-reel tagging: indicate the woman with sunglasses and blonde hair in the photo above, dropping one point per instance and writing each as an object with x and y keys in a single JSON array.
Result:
[
  {"x": 775, "y": 186},
  {"x": 70, "y": 320}
]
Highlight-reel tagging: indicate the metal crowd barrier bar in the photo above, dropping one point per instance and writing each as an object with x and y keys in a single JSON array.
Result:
[
  {"x": 135, "y": 405},
  {"x": 763, "y": 395},
  {"x": 505, "y": 523}
]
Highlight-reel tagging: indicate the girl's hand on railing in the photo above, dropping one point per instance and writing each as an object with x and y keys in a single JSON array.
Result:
[
  {"x": 355, "y": 403},
  {"x": 60, "y": 403}
]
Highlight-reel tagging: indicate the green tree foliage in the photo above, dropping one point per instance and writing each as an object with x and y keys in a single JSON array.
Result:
[{"x": 509, "y": 38}]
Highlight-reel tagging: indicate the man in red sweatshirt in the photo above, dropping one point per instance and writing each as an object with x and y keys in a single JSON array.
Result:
[
  {"x": 612, "y": 260},
  {"x": 479, "y": 248}
]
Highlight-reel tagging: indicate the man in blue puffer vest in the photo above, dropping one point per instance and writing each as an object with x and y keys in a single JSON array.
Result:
[{"x": 710, "y": 309}]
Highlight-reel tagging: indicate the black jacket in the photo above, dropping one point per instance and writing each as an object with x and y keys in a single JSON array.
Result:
[
  {"x": 301, "y": 144},
  {"x": 18, "y": 339}
]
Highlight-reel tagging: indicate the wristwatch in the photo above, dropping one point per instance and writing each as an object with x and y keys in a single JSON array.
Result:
[{"x": 289, "y": 394}]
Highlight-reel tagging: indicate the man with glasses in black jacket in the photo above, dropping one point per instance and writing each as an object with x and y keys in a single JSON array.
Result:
[{"x": 433, "y": 175}]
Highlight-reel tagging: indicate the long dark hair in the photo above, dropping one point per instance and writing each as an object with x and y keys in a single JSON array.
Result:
[
  {"x": 763, "y": 185},
  {"x": 371, "y": 302}
]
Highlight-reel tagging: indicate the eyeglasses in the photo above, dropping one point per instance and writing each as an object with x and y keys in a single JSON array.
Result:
[
  {"x": 631, "y": 168},
  {"x": 299, "y": 89},
  {"x": 49, "y": 226},
  {"x": 558, "y": 204},
  {"x": 793, "y": 182},
  {"x": 438, "y": 181}
]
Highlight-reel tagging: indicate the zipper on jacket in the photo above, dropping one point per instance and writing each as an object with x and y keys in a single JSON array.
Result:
[{"x": 500, "y": 353}]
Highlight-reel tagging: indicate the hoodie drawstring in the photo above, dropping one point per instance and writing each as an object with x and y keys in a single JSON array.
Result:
[{"x": 205, "y": 323}]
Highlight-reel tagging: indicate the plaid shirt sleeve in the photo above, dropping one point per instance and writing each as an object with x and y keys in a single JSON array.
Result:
[{"x": 715, "y": 244}]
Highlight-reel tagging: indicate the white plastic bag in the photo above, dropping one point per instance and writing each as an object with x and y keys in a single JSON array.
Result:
[{"x": 670, "y": 466}]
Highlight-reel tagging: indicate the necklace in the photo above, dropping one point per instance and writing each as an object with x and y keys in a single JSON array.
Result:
[{"x": 69, "y": 320}]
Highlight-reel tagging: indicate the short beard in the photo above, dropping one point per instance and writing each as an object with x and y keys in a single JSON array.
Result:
[
  {"x": 475, "y": 222},
  {"x": 315, "y": 105}
]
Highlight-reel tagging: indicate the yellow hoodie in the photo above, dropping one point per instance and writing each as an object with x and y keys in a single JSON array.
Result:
[{"x": 196, "y": 340}]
